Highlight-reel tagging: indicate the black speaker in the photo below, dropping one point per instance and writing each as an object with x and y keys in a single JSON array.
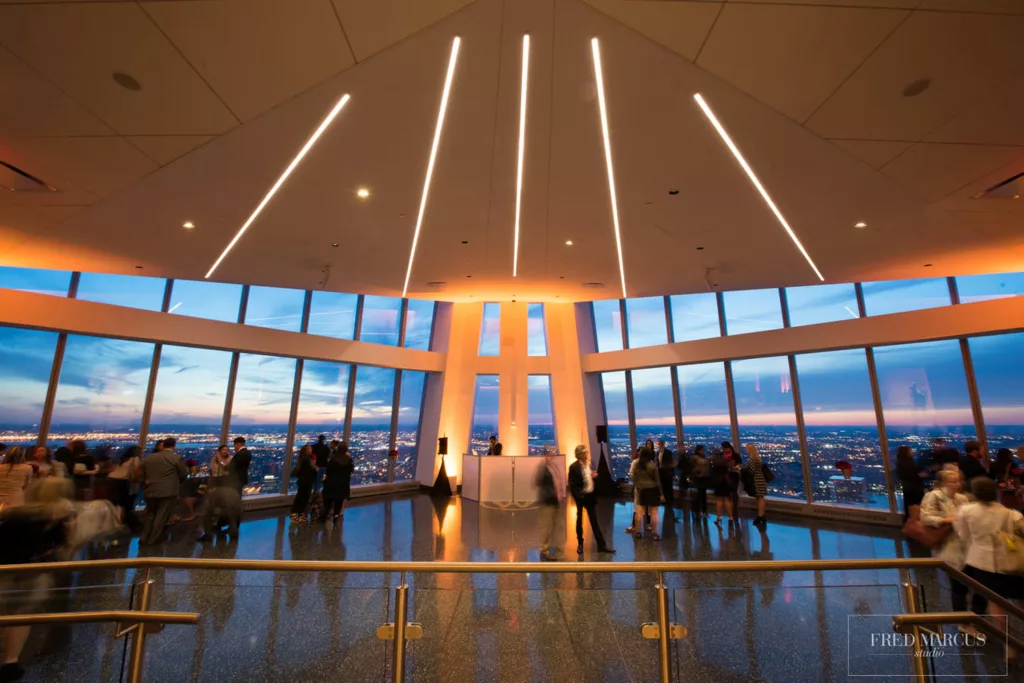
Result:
[
  {"x": 602, "y": 433},
  {"x": 442, "y": 445}
]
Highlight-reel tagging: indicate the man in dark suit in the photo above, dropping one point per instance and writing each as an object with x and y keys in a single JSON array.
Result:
[
  {"x": 321, "y": 454},
  {"x": 495, "y": 446},
  {"x": 162, "y": 474},
  {"x": 239, "y": 466},
  {"x": 224, "y": 508},
  {"x": 970, "y": 464},
  {"x": 581, "y": 484},
  {"x": 666, "y": 472}
]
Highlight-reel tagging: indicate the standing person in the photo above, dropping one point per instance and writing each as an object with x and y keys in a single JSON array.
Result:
[
  {"x": 124, "y": 484},
  {"x": 42, "y": 460},
  {"x": 162, "y": 474},
  {"x": 911, "y": 476},
  {"x": 220, "y": 467},
  {"x": 239, "y": 468},
  {"x": 581, "y": 484},
  {"x": 223, "y": 507},
  {"x": 940, "y": 507},
  {"x": 1002, "y": 469},
  {"x": 15, "y": 476},
  {"x": 494, "y": 446},
  {"x": 980, "y": 526},
  {"x": 721, "y": 488},
  {"x": 647, "y": 482},
  {"x": 84, "y": 469},
  {"x": 63, "y": 455},
  {"x": 321, "y": 454},
  {"x": 666, "y": 473},
  {"x": 735, "y": 467},
  {"x": 305, "y": 471},
  {"x": 700, "y": 470},
  {"x": 551, "y": 496},
  {"x": 337, "y": 482},
  {"x": 756, "y": 467},
  {"x": 970, "y": 462}
]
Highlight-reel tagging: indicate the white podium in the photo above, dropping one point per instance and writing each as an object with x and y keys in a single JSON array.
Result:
[{"x": 502, "y": 479}]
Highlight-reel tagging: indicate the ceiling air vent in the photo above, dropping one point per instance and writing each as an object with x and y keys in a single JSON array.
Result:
[
  {"x": 593, "y": 285},
  {"x": 436, "y": 283},
  {"x": 14, "y": 179},
  {"x": 1011, "y": 188}
]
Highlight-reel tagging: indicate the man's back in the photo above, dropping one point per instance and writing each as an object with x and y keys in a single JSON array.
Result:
[
  {"x": 321, "y": 453},
  {"x": 162, "y": 474}
]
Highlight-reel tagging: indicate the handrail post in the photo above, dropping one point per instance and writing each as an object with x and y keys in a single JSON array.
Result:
[
  {"x": 910, "y": 594},
  {"x": 138, "y": 651},
  {"x": 401, "y": 615},
  {"x": 664, "y": 627}
]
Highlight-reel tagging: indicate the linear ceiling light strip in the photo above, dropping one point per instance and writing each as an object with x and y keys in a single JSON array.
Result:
[
  {"x": 522, "y": 149},
  {"x": 280, "y": 181},
  {"x": 596, "y": 49},
  {"x": 433, "y": 156},
  {"x": 757, "y": 183}
]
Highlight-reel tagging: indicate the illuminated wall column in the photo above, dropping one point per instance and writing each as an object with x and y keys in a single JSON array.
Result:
[
  {"x": 513, "y": 367},
  {"x": 567, "y": 379}
]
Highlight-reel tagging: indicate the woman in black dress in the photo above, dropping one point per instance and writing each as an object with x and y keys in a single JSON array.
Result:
[
  {"x": 911, "y": 476},
  {"x": 305, "y": 472},
  {"x": 721, "y": 485},
  {"x": 337, "y": 481}
]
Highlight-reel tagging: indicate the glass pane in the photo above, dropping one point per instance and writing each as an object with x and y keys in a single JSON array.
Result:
[
  {"x": 704, "y": 402},
  {"x": 322, "y": 400},
  {"x": 645, "y": 320},
  {"x": 407, "y": 440},
  {"x": 211, "y": 300},
  {"x": 101, "y": 391},
  {"x": 263, "y": 398},
  {"x": 333, "y": 315},
  {"x": 899, "y": 296},
  {"x": 753, "y": 310},
  {"x": 999, "y": 371},
  {"x": 490, "y": 331},
  {"x": 52, "y": 282},
  {"x": 764, "y": 410},
  {"x": 839, "y": 417},
  {"x": 982, "y": 287},
  {"x": 370, "y": 436},
  {"x": 381, "y": 320},
  {"x": 924, "y": 394},
  {"x": 188, "y": 404},
  {"x": 122, "y": 290},
  {"x": 694, "y": 316},
  {"x": 26, "y": 359},
  {"x": 653, "y": 405},
  {"x": 485, "y": 413},
  {"x": 419, "y": 321},
  {"x": 608, "y": 325},
  {"x": 821, "y": 304},
  {"x": 536, "y": 331},
  {"x": 617, "y": 414},
  {"x": 275, "y": 307},
  {"x": 542, "y": 414}
]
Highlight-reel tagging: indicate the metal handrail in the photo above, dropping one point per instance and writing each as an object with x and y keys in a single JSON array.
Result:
[
  {"x": 906, "y": 621},
  {"x": 121, "y": 616}
]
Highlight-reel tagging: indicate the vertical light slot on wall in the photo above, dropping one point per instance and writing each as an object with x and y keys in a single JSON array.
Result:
[
  {"x": 452, "y": 59},
  {"x": 280, "y": 181},
  {"x": 522, "y": 149},
  {"x": 754, "y": 180},
  {"x": 599, "y": 75}
]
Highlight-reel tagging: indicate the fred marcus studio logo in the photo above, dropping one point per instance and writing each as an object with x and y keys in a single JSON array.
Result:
[{"x": 876, "y": 649}]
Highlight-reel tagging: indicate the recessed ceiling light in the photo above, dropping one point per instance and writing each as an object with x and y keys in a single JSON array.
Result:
[
  {"x": 139, "y": 267},
  {"x": 595, "y": 48},
  {"x": 334, "y": 244},
  {"x": 126, "y": 81},
  {"x": 927, "y": 265},
  {"x": 280, "y": 181},
  {"x": 362, "y": 193},
  {"x": 673, "y": 192},
  {"x": 860, "y": 224},
  {"x": 757, "y": 183},
  {"x": 700, "y": 248},
  {"x": 917, "y": 87},
  {"x": 188, "y": 225},
  {"x": 452, "y": 59},
  {"x": 465, "y": 241},
  {"x": 522, "y": 150},
  {"x": 568, "y": 243}
]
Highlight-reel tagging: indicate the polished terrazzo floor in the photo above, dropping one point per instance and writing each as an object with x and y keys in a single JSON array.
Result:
[{"x": 267, "y": 626}]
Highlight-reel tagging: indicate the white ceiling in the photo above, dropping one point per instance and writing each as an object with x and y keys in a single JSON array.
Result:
[{"x": 812, "y": 92}]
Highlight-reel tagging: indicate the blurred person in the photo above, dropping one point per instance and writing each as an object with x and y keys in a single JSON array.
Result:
[
  {"x": 735, "y": 468},
  {"x": 15, "y": 476},
  {"x": 190, "y": 488},
  {"x": 337, "y": 483},
  {"x": 44, "y": 464},
  {"x": 220, "y": 466},
  {"x": 721, "y": 482},
  {"x": 494, "y": 446},
  {"x": 551, "y": 496},
  {"x": 239, "y": 468},
  {"x": 666, "y": 473},
  {"x": 162, "y": 475},
  {"x": 939, "y": 509},
  {"x": 321, "y": 454},
  {"x": 124, "y": 484},
  {"x": 581, "y": 484},
  {"x": 700, "y": 470},
  {"x": 971, "y": 462},
  {"x": 980, "y": 526},
  {"x": 32, "y": 533},
  {"x": 223, "y": 508},
  {"x": 911, "y": 477},
  {"x": 647, "y": 482},
  {"x": 83, "y": 469},
  {"x": 1003, "y": 470},
  {"x": 3, "y": 450},
  {"x": 306, "y": 472},
  {"x": 756, "y": 468},
  {"x": 64, "y": 456}
]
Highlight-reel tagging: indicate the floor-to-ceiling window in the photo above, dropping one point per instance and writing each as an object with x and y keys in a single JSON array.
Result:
[
  {"x": 704, "y": 404},
  {"x": 122, "y": 290},
  {"x": 608, "y": 325},
  {"x": 280, "y": 309},
  {"x": 407, "y": 439},
  {"x": 973, "y": 288},
  {"x": 754, "y": 310},
  {"x": 766, "y": 417},
  {"x": 485, "y": 413},
  {"x": 536, "y": 331},
  {"x": 694, "y": 316},
  {"x": 323, "y": 394},
  {"x": 490, "y": 330},
  {"x": 26, "y": 358},
  {"x": 541, "y": 427},
  {"x": 370, "y": 433},
  {"x": 51, "y": 282},
  {"x": 381, "y": 320},
  {"x": 645, "y": 321},
  {"x": 999, "y": 371},
  {"x": 419, "y": 323},
  {"x": 617, "y": 414},
  {"x": 899, "y": 296},
  {"x": 821, "y": 304},
  {"x": 332, "y": 314},
  {"x": 212, "y": 300},
  {"x": 653, "y": 406},
  {"x": 841, "y": 427}
]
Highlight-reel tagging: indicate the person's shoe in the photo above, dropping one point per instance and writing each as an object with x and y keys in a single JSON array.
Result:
[
  {"x": 579, "y": 549},
  {"x": 11, "y": 672},
  {"x": 718, "y": 521},
  {"x": 606, "y": 551},
  {"x": 204, "y": 539},
  {"x": 630, "y": 529}
]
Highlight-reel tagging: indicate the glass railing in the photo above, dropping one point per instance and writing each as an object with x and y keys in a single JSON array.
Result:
[{"x": 195, "y": 619}]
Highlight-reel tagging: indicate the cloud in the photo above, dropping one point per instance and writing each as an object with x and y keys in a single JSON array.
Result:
[{"x": 185, "y": 369}]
